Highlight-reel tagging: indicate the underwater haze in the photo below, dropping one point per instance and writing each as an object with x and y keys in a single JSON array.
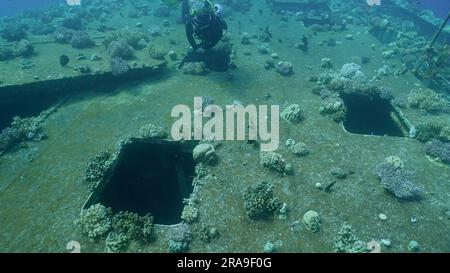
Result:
[
  {"x": 225, "y": 126},
  {"x": 12, "y": 7}
]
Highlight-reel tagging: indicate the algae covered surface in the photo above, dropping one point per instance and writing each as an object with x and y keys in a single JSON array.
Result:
[{"x": 243, "y": 199}]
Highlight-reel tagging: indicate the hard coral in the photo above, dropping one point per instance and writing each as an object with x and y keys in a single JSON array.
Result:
[
  {"x": 96, "y": 169},
  {"x": 116, "y": 242},
  {"x": 293, "y": 113},
  {"x": 81, "y": 40},
  {"x": 190, "y": 213},
  {"x": 433, "y": 129},
  {"x": 428, "y": 100},
  {"x": 438, "y": 149},
  {"x": 132, "y": 38},
  {"x": 311, "y": 219},
  {"x": 350, "y": 71},
  {"x": 299, "y": 149},
  {"x": 118, "y": 66},
  {"x": 335, "y": 107},
  {"x": 63, "y": 35},
  {"x": 347, "y": 242},
  {"x": 397, "y": 180},
  {"x": 284, "y": 68},
  {"x": 195, "y": 68},
  {"x": 259, "y": 201},
  {"x": 120, "y": 48},
  {"x": 23, "y": 129},
  {"x": 274, "y": 161},
  {"x": 133, "y": 226},
  {"x": 95, "y": 221},
  {"x": 23, "y": 49}
]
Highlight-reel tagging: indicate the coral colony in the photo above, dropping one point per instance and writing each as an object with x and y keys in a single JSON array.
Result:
[{"x": 229, "y": 125}]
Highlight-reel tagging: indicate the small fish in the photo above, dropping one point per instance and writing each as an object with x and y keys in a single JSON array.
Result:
[
  {"x": 63, "y": 60},
  {"x": 260, "y": 11},
  {"x": 268, "y": 32},
  {"x": 329, "y": 186}
]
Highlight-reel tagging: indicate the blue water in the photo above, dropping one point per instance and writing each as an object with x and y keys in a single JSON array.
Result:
[
  {"x": 10, "y": 7},
  {"x": 440, "y": 7}
]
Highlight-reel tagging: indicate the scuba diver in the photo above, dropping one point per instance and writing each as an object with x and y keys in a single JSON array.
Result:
[{"x": 203, "y": 22}]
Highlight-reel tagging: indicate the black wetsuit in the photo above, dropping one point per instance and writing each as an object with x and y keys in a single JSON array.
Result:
[{"x": 209, "y": 36}]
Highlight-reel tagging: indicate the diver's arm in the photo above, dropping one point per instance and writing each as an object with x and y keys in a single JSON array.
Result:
[
  {"x": 223, "y": 23},
  {"x": 190, "y": 35},
  {"x": 185, "y": 11}
]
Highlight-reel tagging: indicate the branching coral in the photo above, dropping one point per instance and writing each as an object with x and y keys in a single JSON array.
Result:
[
  {"x": 119, "y": 229},
  {"x": 274, "y": 162},
  {"x": 200, "y": 170},
  {"x": 439, "y": 150},
  {"x": 334, "y": 106},
  {"x": 96, "y": 169},
  {"x": 347, "y": 242},
  {"x": 127, "y": 223},
  {"x": 133, "y": 226},
  {"x": 95, "y": 222},
  {"x": 116, "y": 242},
  {"x": 23, "y": 129},
  {"x": 351, "y": 80},
  {"x": 293, "y": 113},
  {"x": 397, "y": 180},
  {"x": 433, "y": 129},
  {"x": 259, "y": 201},
  {"x": 428, "y": 100},
  {"x": 190, "y": 213}
]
